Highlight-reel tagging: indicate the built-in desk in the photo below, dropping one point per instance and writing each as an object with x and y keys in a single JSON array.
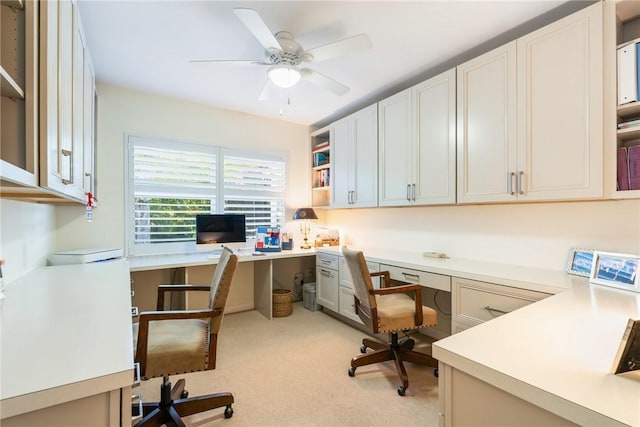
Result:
[
  {"x": 67, "y": 347},
  {"x": 257, "y": 275}
]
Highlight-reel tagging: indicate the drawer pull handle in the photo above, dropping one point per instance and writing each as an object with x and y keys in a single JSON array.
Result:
[
  {"x": 497, "y": 310},
  {"x": 413, "y": 276},
  {"x": 326, "y": 261},
  {"x": 325, "y": 272}
]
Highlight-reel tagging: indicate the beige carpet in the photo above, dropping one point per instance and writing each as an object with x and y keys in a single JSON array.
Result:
[{"x": 292, "y": 371}]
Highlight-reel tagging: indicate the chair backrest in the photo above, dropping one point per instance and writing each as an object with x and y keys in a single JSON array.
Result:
[
  {"x": 362, "y": 287},
  {"x": 220, "y": 285}
]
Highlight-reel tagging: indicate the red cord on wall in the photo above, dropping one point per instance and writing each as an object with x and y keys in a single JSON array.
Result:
[{"x": 91, "y": 202}]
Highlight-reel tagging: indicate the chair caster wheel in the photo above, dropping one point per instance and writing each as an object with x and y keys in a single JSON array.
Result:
[
  {"x": 401, "y": 390},
  {"x": 352, "y": 372},
  {"x": 184, "y": 394},
  {"x": 363, "y": 349},
  {"x": 435, "y": 372},
  {"x": 228, "y": 412}
]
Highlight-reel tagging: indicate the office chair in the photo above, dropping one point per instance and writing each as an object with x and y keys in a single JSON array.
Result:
[
  {"x": 176, "y": 342},
  {"x": 388, "y": 309}
]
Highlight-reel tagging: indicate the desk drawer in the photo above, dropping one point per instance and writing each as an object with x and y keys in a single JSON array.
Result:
[
  {"x": 476, "y": 302},
  {"x": 429, "y": 280},
  {"x": 327, "y": 261}
]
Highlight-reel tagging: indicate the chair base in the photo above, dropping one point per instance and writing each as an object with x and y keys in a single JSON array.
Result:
[
  {"x": 175, "y": 404},
  {"x": 398, "y": 351}
]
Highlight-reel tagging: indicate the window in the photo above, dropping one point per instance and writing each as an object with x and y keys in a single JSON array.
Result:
[{"x": 170, "y": 182}]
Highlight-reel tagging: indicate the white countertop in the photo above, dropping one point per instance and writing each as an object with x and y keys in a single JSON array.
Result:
[
  {"x": 536, "y": 279},
  {"x": 152, "y": 262},
  {"x": 66, "y": 334},
  {"x": 557, "y": 354}
]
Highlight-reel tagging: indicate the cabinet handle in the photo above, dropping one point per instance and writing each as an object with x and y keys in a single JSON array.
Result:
[
  {"x": 325, "y": 261},
  {"x": 413, "y": 192},
  {"x": 409, "y": 192},
  {"x": 510, "y": 183},
  {"x": 520, "y": 180},
  {"x": 413, "y": 276},
  {"x": 353, "y": 197},
  {"x": 68, "y": 153},
  {"x": 325, "y": 272},
  {"x": 497, "y": 310}
]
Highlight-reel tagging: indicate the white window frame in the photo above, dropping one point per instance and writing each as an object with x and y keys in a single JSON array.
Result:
[{"x": 138, "y": 249}]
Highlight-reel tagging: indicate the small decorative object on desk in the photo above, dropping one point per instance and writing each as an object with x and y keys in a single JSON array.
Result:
[
  {"x": 615, "y": 270},
  {"x": 287, "y": 241},
  {"x": 327, "y": 237},
  {"x": 628, "y": 356},
  {"x": 268, "y": 239},
  {"x": 579, "y": 261}
]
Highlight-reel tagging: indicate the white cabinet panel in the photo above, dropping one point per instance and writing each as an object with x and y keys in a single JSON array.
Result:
[
  {"x": 560, "y": 108},
  {"x": 530, "y": 116},
  {"x": 486, "y": 121},
  {"x": 475, "y": 302},
  {"x": 354, "y": 154},
  {"x": 417, "y": 144},
  {"x": 327, "y": 281}
]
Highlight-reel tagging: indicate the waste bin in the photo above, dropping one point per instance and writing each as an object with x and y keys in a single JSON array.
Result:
[
  {"x": 282, "y": 302},
  {"x": 309, "y": 296}
]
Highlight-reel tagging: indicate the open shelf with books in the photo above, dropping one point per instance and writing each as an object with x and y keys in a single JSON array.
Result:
[
  {"x": 320, "y": 167},
  {"x": 627, "y": 157}
]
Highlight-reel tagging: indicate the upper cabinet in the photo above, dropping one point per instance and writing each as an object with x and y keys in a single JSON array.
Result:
[
  {"x": 530, "y": 116},
  {"x": 417, "y": 144},
  {"x": 66, "y": 115},
  {"x": 48, "y": 131},
  {"x": 354, "y": 154}
]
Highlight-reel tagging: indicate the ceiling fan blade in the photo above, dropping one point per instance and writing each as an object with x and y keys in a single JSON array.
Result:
[
  {"x": 341, "y": 47},
  {"x": 230, "y": 61},
  {"x": 258, "y": 28},
  {"x": 323, "y": 81}
]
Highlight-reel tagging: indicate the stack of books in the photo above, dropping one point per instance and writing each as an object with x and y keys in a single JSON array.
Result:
[{"x": 628, "y": 161}]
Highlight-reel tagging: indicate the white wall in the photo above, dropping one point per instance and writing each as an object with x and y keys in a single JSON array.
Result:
[
  {"x": 26, "y": 236},
  {"x": 536, "y": 234},
  {"x": 123, "y": 111}
]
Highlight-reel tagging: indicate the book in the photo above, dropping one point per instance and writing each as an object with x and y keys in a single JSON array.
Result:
[
  {"x": 633, "y": 156},
  {"x": 627, "y": 357},
  {"x": 627, "y": 73},
  {"x": 623, "y": 169},
  {"x": 630, "y": 123}
]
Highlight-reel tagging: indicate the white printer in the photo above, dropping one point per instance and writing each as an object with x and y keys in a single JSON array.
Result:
[{"x": 83, "y": 256}]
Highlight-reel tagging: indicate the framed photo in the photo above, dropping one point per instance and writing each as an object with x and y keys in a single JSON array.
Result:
[
  {"x": 616, "y": 270},
  {"x": 579, "y": 261}
]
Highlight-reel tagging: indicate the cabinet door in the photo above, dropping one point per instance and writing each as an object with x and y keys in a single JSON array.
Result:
[
  {"x": 434, "y": 140},
  {"x": 486, "y": 122},
  {"x": 341, "y": 162},
  {"x": 327, "y": 288},
  {"x": 394, "y": 147},
  {"x": 365, "y": 158},
  {"x": 560, "y": 108},
  {"x": 60, "y": 153}
]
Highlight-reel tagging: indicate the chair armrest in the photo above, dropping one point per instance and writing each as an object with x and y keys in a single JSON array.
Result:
[
  {"x": 416, "y": 289},
  {"x": 174, "y": 288},
  {"x": 386, "y": 275}
]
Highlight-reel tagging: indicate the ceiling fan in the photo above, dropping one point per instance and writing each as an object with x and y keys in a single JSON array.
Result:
[{"x": 284, "y": 55}]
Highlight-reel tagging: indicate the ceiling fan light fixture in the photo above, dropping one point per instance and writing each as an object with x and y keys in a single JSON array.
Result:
[{"x": 284, "y": 75}]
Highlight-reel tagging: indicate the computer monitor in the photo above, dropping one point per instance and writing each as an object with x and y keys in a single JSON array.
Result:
[{"x": 215, "y": 231}]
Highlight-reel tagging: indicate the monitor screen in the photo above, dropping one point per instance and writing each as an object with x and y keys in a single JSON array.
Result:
[{"x": 214, "y": 231}]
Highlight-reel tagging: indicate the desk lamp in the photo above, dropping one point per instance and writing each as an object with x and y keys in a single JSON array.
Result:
[{"x": 305, "y": 214}]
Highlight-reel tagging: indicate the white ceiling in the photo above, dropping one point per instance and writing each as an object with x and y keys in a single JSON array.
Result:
[{"x": 146, "y": 45}]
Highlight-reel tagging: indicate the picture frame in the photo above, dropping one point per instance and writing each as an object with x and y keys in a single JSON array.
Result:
[
  {"x": 579, "y": 261},
  {"x": 616, "y": 270}
]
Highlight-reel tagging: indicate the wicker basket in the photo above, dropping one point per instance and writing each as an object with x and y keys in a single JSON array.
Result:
[{"x": 282, "y": 302}]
